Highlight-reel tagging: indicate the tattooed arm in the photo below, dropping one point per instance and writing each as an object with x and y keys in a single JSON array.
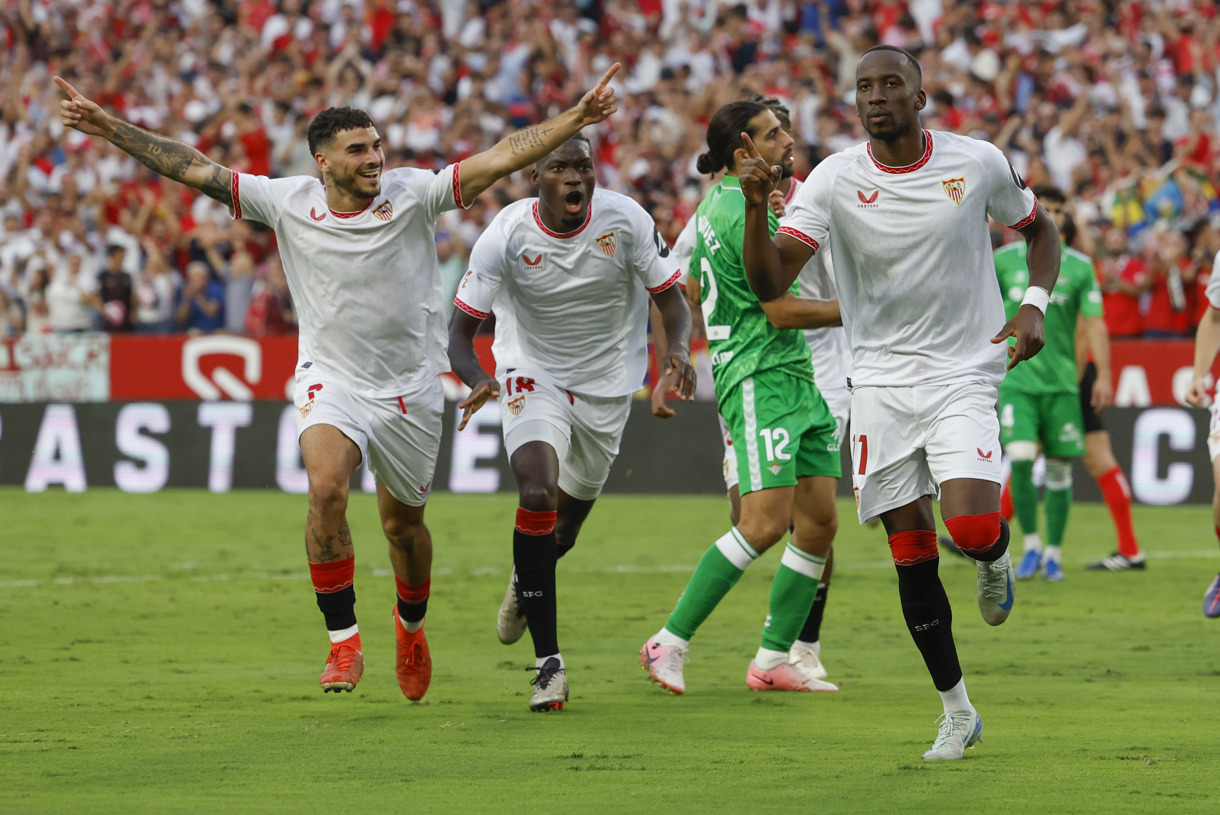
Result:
[
  {"x": 172, "y": 159},
  {"x": 531, "y": 144}
]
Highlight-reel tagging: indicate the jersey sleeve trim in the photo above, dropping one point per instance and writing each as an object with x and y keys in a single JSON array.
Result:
[
  {"x": 473, "y": 312},
  {"x": 235, "y": 192},
  {"x": 1027, "y": 220},
  {"x": 457, "y": 188},
  {"x": 800, "y": 236},
  {"x": 672, "y": 280}
]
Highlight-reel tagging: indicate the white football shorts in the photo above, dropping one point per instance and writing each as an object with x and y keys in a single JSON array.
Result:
[
  {"x": 905, "y": 442},
  {"x": 585, "y": 431},
  {"x": 400, "y": 437}
]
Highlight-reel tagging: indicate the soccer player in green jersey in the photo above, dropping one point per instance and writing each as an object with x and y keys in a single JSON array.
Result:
[
  {"x": 783, "y": 434},
  {"x": 1040, "y": 400}
]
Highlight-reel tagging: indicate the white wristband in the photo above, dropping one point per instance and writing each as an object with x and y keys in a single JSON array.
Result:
[{"x": 1037, "y": 297}]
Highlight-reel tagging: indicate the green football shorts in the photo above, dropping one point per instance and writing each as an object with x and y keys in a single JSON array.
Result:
[
  {"x": 781, "y": 431},
  {"x": 1052, "y": 419}
]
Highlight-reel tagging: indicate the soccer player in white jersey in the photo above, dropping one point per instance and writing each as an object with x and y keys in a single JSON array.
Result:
[
  {"x": 567, "y": 275},
  {"x": 358, "y": 249},
  {"x": 1207, "y": 345},
  {"x": 906, "y": 214}
]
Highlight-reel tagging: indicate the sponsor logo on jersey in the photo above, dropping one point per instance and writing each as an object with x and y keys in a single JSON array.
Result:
[
  {"x": 515, "y": 406},
  {"x": 868, "y": 201},
  {"x": 313, "y": 213},
  {"x": 984, "y": 456},
  {"x": 532, "y": 262},
  {"x": 721, "y": 357},
  {"x": 384, "y": 212},
  {"x": 608, "y": 243},
  {"x": 955, "y": 188}
]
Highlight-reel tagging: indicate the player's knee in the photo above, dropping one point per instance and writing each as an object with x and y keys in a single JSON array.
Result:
[
  {"x": 401, "y": 531},
  {"x": 1021, "y": 451},
  {"x": 328, "y": 494},
  {"x": 538, "y": 497},
  {"x": 761, "y": 533},
  {"x": 1058, "y": 474},
  {"x": 818, "y": 531},
  {"x": 974, "y": 533}
]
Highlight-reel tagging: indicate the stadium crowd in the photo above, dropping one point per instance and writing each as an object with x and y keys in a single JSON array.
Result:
[{"x": 1117, "y": 101}]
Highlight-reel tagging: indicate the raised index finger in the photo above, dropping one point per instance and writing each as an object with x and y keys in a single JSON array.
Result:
[
  {"x": 749, "y": 144},
  {"x": 68, "y": 89},
  {"x": 608, "y": 76}
]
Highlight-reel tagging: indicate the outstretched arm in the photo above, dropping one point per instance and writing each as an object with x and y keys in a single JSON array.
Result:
[
  {"x": 791, "y": 311},
  {"x": 523, "y": 148},
  {"x": 771, "y": 266},
  {"x": 465, "y": 363},
  {"x": 172, "y": 159}
]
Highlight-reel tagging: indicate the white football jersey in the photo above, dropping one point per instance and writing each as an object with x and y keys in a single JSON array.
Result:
[
  {"x": 912, "y": 256},
  {"x": 364, "y": 285},
  {"x": 575, "y": 305}
]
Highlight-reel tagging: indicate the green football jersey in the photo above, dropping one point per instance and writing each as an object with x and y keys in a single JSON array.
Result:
[
  {"x": 741, "y": 339},
  {"x": 1053, "y": 369}
]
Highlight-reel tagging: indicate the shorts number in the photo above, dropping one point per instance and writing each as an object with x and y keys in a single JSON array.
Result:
[
  {"x": 861, "y": 451},
  {"x": 714, "y": 332},
  {"x": 775, "y": 441},
  {"x": 1007, "y": 416}
]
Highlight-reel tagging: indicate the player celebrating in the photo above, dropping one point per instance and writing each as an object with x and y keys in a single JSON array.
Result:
[
  {"x": 566, "y": 274},
  {"x": 1207, "y": 344},
  {"x": 905, "y": 213},
  {"x": 782, "y": 433},
  {"x": 1040, "y": 401},
  {"x": 358, "y": 251}
]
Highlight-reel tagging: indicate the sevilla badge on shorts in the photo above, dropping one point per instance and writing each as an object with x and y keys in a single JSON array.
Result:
[{"x": 515, "y": 406}]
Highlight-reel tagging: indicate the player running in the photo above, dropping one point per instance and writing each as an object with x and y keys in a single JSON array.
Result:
[
  {"x": 783, "y": 436},
  {"x": 358, "y": 249},
  {"x": 567, "y": 275},
  {"x": 1040, "y": 400},
  {"x": 906, "y": 215}
]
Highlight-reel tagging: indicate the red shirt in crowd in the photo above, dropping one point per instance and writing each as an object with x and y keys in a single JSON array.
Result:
[{"x": 1122, "y": 310}]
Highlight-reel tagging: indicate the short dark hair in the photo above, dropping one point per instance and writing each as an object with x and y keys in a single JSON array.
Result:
[
  {"x": 724, "y": 134},
  {"x": 328, "y": 123},
  {"x": 579, "y": 137},
  {"x": 777, "y": 107},
  {"x": 910, "y": 58}
]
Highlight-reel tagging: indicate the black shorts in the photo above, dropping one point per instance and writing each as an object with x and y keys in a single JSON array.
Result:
[{"x": 1092, "y": 422}]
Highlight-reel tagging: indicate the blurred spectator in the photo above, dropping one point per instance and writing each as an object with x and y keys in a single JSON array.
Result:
[
  {"x": 1123, "y": 279},
  {"x": 201, "y": 310},
  {"x": 271, "y": 304},
  {"x": 451, "y": 267},
  {"x": 155, "y": 292},
  {"x": 67, "y": 296},
  {"x": 113, "y": 298}
]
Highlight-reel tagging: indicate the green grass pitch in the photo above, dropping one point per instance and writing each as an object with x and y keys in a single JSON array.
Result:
[{"x": 160, "y": 654}]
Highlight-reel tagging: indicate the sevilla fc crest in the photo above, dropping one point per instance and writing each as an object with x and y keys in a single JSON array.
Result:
[
  {"x": 955, "y": 188},
  {"x": 384, "y": 212},
  {"x": 517, "y": 405},
  {"x": 608, "y": 243}
]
